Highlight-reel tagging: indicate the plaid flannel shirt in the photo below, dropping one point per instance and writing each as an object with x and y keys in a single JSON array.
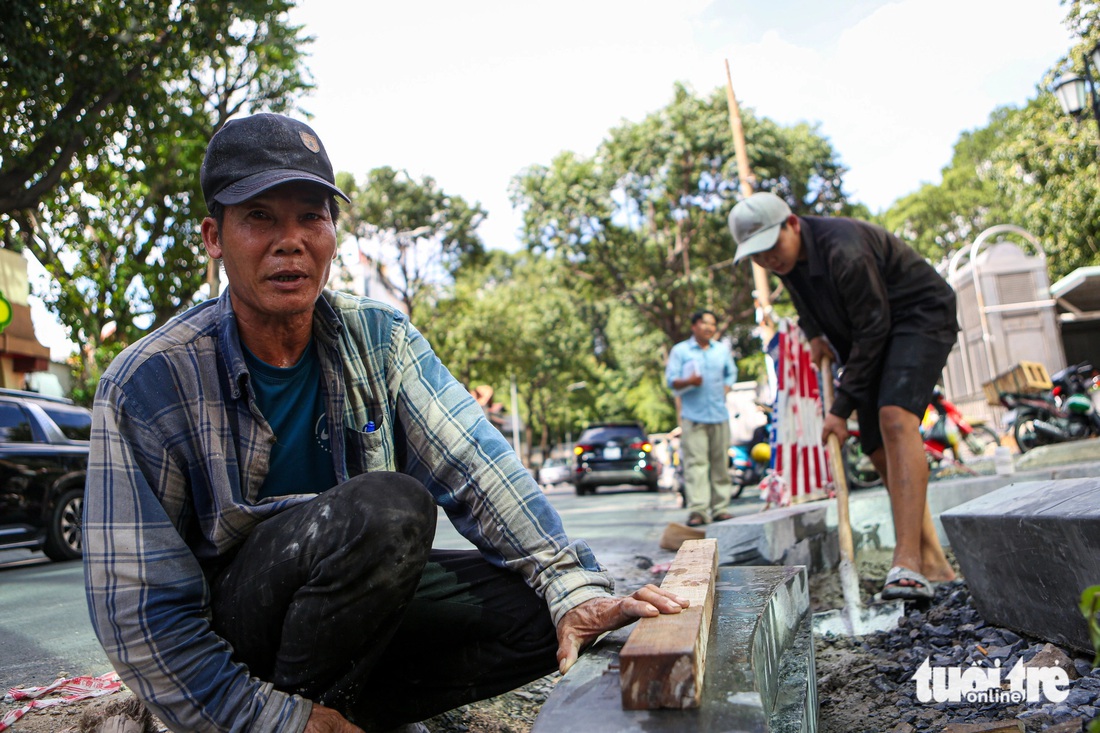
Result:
[{"x": 178, "y": 454}]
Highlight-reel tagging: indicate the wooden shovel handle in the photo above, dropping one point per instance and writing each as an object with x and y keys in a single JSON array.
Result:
[{"x": 840, "y": 478}]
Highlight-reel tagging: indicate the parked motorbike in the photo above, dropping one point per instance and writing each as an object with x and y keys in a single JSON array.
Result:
[
  {"x": 944, "y": 430},
  {"x": 861, "y": 473},
  {"x": 749, "y": 462},
  {"x": 1077, "y": 380},
  {"x": 1066, "y": 412}
]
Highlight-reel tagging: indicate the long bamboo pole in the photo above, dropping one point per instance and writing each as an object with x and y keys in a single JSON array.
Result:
[{"x": 762, "y": 289}]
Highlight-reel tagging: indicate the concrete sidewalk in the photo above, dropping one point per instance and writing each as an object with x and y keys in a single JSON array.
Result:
[
  {"x": 806, "y": 533},
  {"x": 872, "y": 524}
]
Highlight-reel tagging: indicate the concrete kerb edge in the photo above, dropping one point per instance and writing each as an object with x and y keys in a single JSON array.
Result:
[
  {"x": 872, "y": 521},
  {"x": 785, "y": 613},
  {"x": 1051, "y": 519},
  {"x": 767, "y": 537}
]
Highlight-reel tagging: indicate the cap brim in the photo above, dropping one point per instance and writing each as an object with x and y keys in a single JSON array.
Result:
[
  {"x": 762, "y": 241},
  {"x": 244, "y": 189}
]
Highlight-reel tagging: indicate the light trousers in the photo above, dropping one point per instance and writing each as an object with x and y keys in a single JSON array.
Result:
[{"x": 707, "y": 484}]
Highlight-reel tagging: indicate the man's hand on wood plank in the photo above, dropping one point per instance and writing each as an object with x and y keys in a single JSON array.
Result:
[
  {"x": 327, "y": 720},
  {"x": 584, "y": 624}
]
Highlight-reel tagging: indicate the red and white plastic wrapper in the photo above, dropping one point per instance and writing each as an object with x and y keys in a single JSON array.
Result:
[
  {"x": 60, "y": 692},
  {"x": 800, "y": 466}
]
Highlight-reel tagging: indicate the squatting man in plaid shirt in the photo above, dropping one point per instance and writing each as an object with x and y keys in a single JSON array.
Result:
[{"x": 263, "y": 484}]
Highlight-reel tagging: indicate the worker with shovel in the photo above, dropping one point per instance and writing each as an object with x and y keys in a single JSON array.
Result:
[{"x": 864, "y": 295}]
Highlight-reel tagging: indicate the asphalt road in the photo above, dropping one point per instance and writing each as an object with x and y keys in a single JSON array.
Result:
[
  {"x": 44, "y": 628},
  {"x": 617, "y": 522},
  {"x": 45, "y": 632}
]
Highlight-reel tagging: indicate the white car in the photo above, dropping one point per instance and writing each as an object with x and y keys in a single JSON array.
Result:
[{"x": 554, "y": 471}]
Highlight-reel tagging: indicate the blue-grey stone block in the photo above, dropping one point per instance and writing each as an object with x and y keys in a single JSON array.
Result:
[
  {"x": 794, "y": 535},
  {"x": 1027, "y": 551}
]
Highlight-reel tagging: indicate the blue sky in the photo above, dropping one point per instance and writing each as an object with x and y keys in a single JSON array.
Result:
[{"x": 472, "y": 92}]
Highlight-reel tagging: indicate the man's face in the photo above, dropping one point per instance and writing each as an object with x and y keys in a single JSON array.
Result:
[
  {"x": 277, "y": 249},
  {"x": 704, "y": 328},
  {"x": 782, "y": 257}
]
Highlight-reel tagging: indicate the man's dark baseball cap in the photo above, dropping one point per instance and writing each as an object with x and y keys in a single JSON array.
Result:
[{"x": 252, "y": 154}]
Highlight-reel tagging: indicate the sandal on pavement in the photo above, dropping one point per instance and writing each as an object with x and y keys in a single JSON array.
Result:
[
  {"x": 893, "y": 589},
  {"x": 722, "y": 517},
  {"x": 695, "y": 519}
]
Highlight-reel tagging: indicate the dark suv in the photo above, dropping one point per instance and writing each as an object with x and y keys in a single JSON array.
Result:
[
  {"x": 609, "y": 454},
  {"x": 43, "y": 465}
]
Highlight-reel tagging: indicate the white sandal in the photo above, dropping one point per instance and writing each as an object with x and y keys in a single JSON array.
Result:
[{"x": 892, "y": 588}]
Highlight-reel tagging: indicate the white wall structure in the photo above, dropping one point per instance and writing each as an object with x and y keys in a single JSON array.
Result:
[
  {"x": 745, "y": 414},
  {"x": 354, "y": 272},
  {"x": 1005, "y": 309},
  {"x": 1078, "y": 298}
]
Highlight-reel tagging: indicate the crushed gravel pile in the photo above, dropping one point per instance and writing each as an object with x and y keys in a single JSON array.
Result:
[{"x": 870, "y": 684}]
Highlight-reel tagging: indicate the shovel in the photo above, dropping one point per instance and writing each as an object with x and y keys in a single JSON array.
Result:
[{"x": 854, "y": 619}]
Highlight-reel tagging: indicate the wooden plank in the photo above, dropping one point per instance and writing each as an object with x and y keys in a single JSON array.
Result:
[{"x": 662, "y": 663}]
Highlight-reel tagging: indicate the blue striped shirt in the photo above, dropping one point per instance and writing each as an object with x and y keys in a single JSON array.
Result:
[{"x": 180, "y": 450}]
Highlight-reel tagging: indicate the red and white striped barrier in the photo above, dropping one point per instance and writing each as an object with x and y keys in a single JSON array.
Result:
[
  {"x": 801, "y": 470},
  {"x": 64, "y": 690}
]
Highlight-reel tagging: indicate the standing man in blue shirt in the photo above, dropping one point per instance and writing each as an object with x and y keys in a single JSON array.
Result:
[
  {"x": 701, "y": 372},
  {"x": 263, "y": 481}
]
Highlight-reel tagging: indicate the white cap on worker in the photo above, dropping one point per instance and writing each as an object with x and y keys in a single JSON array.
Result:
[{"x": 755, "y": 222}]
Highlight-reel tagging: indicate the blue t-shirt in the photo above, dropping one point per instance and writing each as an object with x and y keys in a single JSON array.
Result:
[{"x": 293, "y": 403}]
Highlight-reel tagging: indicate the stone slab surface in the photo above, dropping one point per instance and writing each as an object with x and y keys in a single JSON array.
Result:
[
  {"x": 872, "y": 521},
  {"x": 1027, "y": 551},
  {"x": 760, "y": 669},
  {"x": 794, "y": 535}
]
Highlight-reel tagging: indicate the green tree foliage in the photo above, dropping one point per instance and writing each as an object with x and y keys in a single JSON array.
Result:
[
  {"x": 414, "y": 235},
  {"x": 106, "y": 111},
  {"x": 644, "y": 219},
  {"x": 517, "y": 316},
  {"x": 1032, "y": 167},
  {"x": 1049, "y": 171},
  {"x": 75, "y": 75},
  {"x": 69, "y": 73},
  {"x": 632, "y": 384}
]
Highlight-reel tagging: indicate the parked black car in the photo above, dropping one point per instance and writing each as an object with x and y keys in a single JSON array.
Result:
[
  {"x": 609, "y": 454},
  {"x": 43, "y": 466}
]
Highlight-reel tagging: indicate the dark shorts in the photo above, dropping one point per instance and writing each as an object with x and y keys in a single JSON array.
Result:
[
  {"x": 365, "y": 618},
  {"x": 913, "y": 365}
]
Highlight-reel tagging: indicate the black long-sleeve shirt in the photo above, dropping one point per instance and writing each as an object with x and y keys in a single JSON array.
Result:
[{"x": 858, "y": 285}]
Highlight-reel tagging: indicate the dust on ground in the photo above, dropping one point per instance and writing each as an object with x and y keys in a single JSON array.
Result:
[
  {"x": 863, "y": 683},
  {"x": 86, "y": 716}
]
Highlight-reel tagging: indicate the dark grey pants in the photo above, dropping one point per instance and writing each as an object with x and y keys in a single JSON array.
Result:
[{"x": 341, "y": 600}]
